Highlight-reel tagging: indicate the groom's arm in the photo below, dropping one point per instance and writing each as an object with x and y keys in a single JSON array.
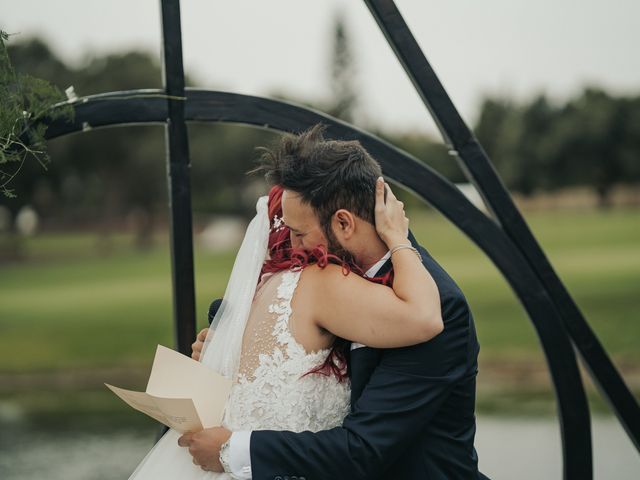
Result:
[{"x": 404, "y": 393}]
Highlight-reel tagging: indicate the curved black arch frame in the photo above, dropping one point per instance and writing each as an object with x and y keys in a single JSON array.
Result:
[
  {"x": 506, "y": 240},
  {"x": 479, "y": 170},
  {"x": 149, "y": 106}
]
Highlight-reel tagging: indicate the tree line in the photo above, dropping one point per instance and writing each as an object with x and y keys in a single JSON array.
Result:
[{"x": 592, "y": 139}]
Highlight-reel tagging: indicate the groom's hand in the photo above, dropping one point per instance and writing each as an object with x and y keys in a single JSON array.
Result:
[{"x": 204, "y": 447}]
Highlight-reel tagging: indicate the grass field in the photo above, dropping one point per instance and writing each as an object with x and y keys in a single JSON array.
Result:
[{"x": 69, "y": 308}]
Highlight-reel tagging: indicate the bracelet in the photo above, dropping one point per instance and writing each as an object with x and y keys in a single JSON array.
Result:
[
  {"x": 224, "y": 454},
  {"x": 409, "y": 246}
]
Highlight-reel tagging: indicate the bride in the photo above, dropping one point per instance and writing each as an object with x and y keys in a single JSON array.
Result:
[{"x": 285, "y": 324}]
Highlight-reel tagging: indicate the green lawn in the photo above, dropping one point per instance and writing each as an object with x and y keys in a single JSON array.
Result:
[
  {"x": 596, "y": 254},
  {"x": 70, "y": 306}
]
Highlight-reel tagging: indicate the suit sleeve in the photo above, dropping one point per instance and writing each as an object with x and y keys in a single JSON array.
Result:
[{"x": 402, "y": 396}]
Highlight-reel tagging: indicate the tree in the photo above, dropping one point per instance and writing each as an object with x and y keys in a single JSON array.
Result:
[
  {"x": 26, "y": 101},
  {"x": 495, "y": 113},
  {"x": 96, "y": 175},
  {"x": 343, "y": 72},
  {"x": 595, "y": 142}
]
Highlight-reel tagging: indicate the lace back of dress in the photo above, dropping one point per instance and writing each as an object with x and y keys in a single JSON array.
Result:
[{"x": 268, "y": 324}]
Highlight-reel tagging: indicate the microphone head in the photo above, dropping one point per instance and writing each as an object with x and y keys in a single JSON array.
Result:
[{"x": 213, "y": 309}]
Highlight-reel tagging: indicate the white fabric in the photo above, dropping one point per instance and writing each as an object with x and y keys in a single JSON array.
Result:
[
  {"x": 277, "y": 395},
  {"x": 240, "y": 456},
  {"x": 377, "y": 266},
  {"x": 167, "y": 460},
  {"x": 222, "y": 348},
  {"x": 240, "y": 441}
]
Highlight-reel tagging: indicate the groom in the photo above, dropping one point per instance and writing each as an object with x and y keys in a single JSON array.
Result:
[{"x": 412, "y": 408}]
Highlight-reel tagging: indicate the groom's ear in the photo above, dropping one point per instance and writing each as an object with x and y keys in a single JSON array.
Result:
[{"x": 344, "y": 223}]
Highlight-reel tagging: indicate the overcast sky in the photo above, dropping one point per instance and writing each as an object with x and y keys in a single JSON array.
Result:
[{"x": 507, "y": 47}]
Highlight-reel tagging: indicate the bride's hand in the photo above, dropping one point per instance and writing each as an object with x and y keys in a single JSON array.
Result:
[
  {"x": 196, "y": 347},
  {"x": 391, "y": 223}
]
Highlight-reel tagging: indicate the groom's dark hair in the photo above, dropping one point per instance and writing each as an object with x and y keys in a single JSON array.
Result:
[{"x": 327, "y": 174}]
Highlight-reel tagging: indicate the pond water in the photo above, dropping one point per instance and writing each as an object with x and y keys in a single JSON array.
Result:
[
  {"x": 530, "y": 449},
  {"x": 508, "y": 449}
]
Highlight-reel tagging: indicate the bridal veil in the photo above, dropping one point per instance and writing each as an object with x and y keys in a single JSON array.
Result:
[{"x": 221, "y": 351}]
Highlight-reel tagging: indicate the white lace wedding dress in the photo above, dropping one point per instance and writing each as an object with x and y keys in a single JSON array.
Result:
[{"x": 271, "y": 390}]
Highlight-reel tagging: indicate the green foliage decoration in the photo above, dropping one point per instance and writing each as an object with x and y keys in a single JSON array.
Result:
[{"x": 26, "y": 101}]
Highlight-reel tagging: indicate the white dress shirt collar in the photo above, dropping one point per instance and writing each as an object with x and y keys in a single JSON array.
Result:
[{"x": 376, "y": 266}]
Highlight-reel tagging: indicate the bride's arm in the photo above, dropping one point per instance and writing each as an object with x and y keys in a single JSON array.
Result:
[{"x": 361, "y": 311}]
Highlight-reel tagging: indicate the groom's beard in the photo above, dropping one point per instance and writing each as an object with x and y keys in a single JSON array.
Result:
[{"x": 338, "y": 250}]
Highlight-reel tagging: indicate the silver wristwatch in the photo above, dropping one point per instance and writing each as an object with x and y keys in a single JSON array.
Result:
[{"x": 224, "y": 456}]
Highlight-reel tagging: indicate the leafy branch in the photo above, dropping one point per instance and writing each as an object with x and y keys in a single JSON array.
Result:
[{"x": 26, "y": 103}]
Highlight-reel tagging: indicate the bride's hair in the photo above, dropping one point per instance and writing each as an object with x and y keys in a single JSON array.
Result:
[{"x": 283, "y": 257}]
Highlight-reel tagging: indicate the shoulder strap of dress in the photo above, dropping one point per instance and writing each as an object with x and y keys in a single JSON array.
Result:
[
  {"x": 282, "y": 306},
  {"x": 288, "y": 284}
]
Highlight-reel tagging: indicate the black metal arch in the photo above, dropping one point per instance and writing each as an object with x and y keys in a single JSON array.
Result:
[
  {"x": 144, "y": 107},
  {"x": 504, "y": 237}
]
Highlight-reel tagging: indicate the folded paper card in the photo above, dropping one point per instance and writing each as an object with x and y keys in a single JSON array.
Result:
[{"x": 181, "y": 393}]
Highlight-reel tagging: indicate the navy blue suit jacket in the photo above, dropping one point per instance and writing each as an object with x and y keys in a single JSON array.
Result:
[{"x": 412, "y": 410}]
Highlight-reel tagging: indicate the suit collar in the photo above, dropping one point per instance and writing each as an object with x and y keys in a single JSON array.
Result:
[
  {"x": 375, "y": 268},
  {"x": 386, "y": 266}
]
